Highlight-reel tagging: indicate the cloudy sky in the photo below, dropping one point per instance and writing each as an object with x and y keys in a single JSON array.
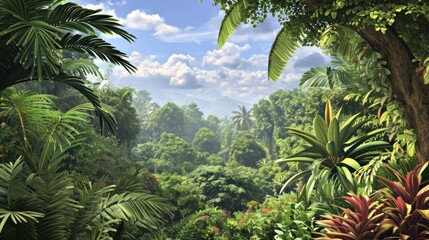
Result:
[{"x": 176, "y": 49}]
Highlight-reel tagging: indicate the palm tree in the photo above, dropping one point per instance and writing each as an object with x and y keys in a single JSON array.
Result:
[
  {"x": 242, "y": 120},
  {"x": 38, "y": 201},
  {"x": 50, "y": 40}
]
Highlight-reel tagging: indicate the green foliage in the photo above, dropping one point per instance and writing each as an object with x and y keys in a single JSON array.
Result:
[
  {"x": 170, "y": 119},
  {"x": 242, "y": 119},
  {"x": 334, "y": 151},
  {"x": 206, "y": 224},
  {"x": 276, "y": 218},
  {"x": 103, "y": 156},
  {"x": 143, "y": 153},
  {"x": 193, "y": 121},
  {"x": 182, "y": 192},
  {"x": 229, "y": 188},
  {"x": 281, "y": 51},
  {"x": 38, "y": 35},
  {"x": 206, "y": 141},
  {"x": 8, "y": 139},
  {"x": 174, "y": 154},
  {"x": 246, "y": 151},
  {"x": 120, "y": 100},
  {"x": 309, "y": 19}
]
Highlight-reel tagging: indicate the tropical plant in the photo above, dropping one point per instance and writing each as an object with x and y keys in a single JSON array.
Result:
[
  {"x": 365, "y": 221},
  {"x": 38, "y": 201},
  {"x": 402, "y": 211},
  {"x": 408, "y": 205},
  {"x": 386, "y": 27},
  {"x": 334, "y": 152},
  {"x": 206, "y": 141},
  {"x": 242, "y": 119},
  {"x": 246, "y": 151},
  {"x": 229, "y": 188},
  {"x": 40, "y": 41}
]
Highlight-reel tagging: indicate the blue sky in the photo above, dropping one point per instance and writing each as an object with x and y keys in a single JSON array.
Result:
[{"x": 176, "y": 50}]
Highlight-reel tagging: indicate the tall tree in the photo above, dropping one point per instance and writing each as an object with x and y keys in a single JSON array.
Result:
[
  {"x": 170, "y": 118},
  {"x": 43, "y": 39},
  {"x": 242, "y": 118},
  {"x": 395, "y": 29}
]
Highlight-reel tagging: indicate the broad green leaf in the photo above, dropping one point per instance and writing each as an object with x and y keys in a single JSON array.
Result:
[
  {"x": 281, "y": 51},
  {"x": 310, "y": 139},
  {"x": 233, "y": 18},
  {"x": 334, "y": 133},
  {"x": 294, "y": 178},
  {"x": 368, "y": 147},
  {"x": 296, "y": 159},
  {"x": 330, "y": 147},
  {"x": 320, "y": 129},
  {"x": 350, "y": 162}
]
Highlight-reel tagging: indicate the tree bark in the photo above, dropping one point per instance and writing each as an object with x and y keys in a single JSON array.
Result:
[{"x": 407, "y": 83}]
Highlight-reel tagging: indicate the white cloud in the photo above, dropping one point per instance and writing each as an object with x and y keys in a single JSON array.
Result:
[
  {"x": 165, "y": 30},
  {"x": 143, "y": 21},
  {"x": 116, "y": 3},
  {"x": 176, "y": 72},
  {"x": 230, "y": 56},
  {"x": 181, "y": 71}
]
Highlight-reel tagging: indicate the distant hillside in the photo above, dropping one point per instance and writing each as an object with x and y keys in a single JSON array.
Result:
[{"x": 220, "y": 107}]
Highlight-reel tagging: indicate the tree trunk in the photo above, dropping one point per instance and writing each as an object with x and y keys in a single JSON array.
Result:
[{"x": 407, "y": 82}]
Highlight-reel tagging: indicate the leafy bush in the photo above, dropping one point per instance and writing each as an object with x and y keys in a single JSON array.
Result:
[
  {"x": 246, "y": 151},
  {"x": 206, "y": 224},
  {"x": 206, "y": 141},
  {"x": 230, "y": 188},
  {"x": 182, "y": 192}
]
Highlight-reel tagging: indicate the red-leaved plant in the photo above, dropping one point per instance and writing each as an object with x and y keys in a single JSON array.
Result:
[
  {"x": 407, "y": 204},
  {"x": 404, "y": 213},
  {"x": 363, "y": 223}
]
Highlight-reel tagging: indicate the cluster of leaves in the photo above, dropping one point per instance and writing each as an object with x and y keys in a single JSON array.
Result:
[
  {"x": 334, "y": 152},
  {"x": 276, "y": 218},
  {"x": 40, "y": 201},
  {"x": 401, "y": 213},
  {"x": 229, "y": 188}
]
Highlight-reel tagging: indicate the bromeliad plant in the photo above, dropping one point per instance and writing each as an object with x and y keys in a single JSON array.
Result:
[
  {"x": 363, "y": 222},
  {"x": 402, "y": 212},
  {"x": 408, "y": 204},
  {"x": 335, "y": 152}
]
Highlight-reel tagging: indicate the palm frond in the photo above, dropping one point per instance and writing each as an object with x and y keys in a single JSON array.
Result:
[
  {"x": 96, "y": 47},
  {"x": 82, "y": 67},
  {"x": 146, "y": 209},
  {"x": 232, "y": 19},
  {"x": 16, "y": 201},
  {"x": 72, "y": 17},
  {"x": 281, "y": 51}
]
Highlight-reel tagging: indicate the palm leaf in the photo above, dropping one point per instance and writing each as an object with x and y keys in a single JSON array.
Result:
[
  {"x": 96, "y": 47},
  {"x": 81, "y": 66},
  {"x": 72, "y": 17},
  {"x": 232, "y": 19},
  {"x": 316, "y": 77},
  {"x": 281, "y": 51}
]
